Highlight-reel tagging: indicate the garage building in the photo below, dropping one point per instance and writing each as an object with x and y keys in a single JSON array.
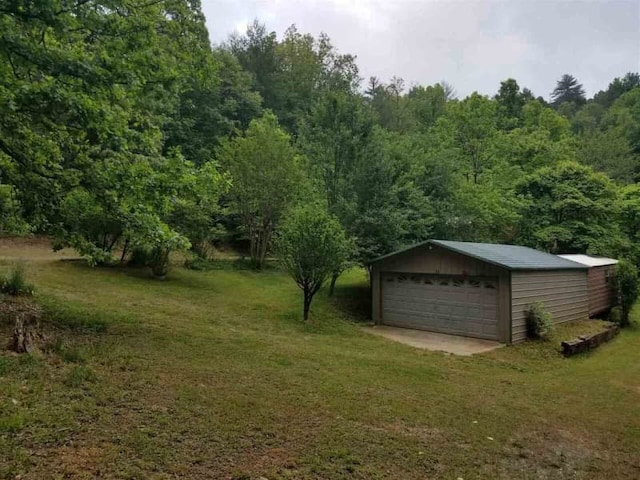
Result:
[{"x": 475, "y": 289}]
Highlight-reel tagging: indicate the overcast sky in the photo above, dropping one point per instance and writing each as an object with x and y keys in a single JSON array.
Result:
[{"x": 472, "y": 44}]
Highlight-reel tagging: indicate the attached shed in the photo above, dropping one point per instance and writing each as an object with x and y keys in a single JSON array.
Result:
[
  {"x": 475, "y": 289},
  {"x": 599, "y": 281}
]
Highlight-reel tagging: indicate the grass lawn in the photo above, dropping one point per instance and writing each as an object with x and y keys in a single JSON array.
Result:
[{"x": 213, "y": 375}]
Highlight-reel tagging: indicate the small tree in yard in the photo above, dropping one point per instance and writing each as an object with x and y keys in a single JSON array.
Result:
[
  {"x": 626, "y": 282},
  {"x": 312, "y": 245}
]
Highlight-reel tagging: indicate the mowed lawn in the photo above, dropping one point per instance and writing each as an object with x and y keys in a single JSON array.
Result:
[{"x": 213, "y": 375}]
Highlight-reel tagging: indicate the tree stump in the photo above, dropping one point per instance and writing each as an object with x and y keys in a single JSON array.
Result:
[{"x": 26, "y": 337}]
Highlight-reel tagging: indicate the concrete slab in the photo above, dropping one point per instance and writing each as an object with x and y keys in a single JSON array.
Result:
[{"x": 435, "y": 341}]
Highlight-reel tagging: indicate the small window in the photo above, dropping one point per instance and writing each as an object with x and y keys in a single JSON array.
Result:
[
  {"x": 444, "y": 281},
  {"x": 402, "y": 278},
  {"x": 389, "y": 279},
  {"x": 458, "y": 283},
  {"x": 428, "y": 281},
  {"x": 415, "y": 278},
  {"x": 474, "y": 283},
  {"x": 491, "y": 285}
]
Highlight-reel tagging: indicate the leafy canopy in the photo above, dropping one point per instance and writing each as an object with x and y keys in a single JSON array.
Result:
[{"x": 312, "y": 245}]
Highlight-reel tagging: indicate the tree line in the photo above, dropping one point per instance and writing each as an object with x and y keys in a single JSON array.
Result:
[{"x": 122, "y": 129}]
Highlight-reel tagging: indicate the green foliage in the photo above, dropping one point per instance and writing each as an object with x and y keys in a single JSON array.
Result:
[
  {"x": 157, "y": 245},
  {"x": 197, "y": 213},
  {"x": 567, "y": 208},
  {"x": 266, "y": 180},
  {"x": 617, "y": 88},
  {"x": 539, "y": 321},
  {"x": 615, "y": 315},
  {"x": 98, "y": 102},
  {"x": 627, "y": 288},
  {"x": 608, "y": 151},
  {"x": 427, "y": 104},
  {"x": 71, "y": 104},
  {"x": 291, "y": 73},
  {"x": 91, "y": 227},
  {"x": 510, "y": 103},
  {"x": 312, "y": 246},
  {"x": 122, "y": 130},
  {"x": 11, "y": 221},
  {"x": 16, "y": 284},
  {"x": 389, "y": 208},
  {"x": 470, "y": 128}
]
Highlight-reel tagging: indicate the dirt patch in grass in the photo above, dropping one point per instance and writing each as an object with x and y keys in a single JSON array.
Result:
[
  {"x": 79, "y": 461},
  {"x": 550, "y": 454}
]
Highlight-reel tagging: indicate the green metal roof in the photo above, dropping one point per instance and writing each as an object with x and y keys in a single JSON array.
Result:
[{"x": 512, "y": 257}]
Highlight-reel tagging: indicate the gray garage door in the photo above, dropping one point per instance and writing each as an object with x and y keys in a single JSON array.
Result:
[{"x": 456, "y": 305}]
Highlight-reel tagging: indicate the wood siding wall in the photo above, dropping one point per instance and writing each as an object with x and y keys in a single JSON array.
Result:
[
  {"x": 601, "y": 295},
  {"x": 437, "y": 260},
  {"x": 563, "y": 292}
]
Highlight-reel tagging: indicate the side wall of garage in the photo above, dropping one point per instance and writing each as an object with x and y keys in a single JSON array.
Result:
[
  {"x": 563, "y": 292},
  {"x": 432, "y": 259},
  {"x": 601, "y": 294}
]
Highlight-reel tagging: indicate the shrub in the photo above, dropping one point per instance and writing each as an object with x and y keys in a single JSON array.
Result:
[
  {"x": 615, "y": 315},
  {"x": 155, "y": 247},
  {"x": 16, "y": 284},
  {"x": 626, "y": 287},
  {"x": 539, "y": 321},
  {"x": 159, "y": 261}
]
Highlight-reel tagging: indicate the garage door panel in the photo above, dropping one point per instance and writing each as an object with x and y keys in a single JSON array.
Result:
[
  {"x": 418, "y": 307},
  {"x": 443, "y": 304}
]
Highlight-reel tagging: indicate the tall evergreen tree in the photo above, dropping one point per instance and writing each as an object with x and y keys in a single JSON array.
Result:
[{"x": 568, "y": 89}]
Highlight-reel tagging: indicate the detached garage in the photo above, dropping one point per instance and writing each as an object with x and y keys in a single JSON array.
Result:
[{"x": 475, "y": 289}]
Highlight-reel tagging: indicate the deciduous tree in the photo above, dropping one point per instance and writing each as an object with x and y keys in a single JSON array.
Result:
[
  {"x": 266, "y": 178},
  {"x": 311, "y": 245}
]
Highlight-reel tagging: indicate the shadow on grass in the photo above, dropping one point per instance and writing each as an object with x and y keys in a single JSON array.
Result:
[
  {"x": 139, "y": 273},
  {"x": 353, "y": 300},
  {"x": 241, "y": 263},
  {"x": 66, "y": 315}
]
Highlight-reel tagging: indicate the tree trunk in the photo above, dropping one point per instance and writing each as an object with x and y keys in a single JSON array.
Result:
[
  {"x": 265, "y": 238},
  {"x": 307, "y": 305},
  {"x": 262, "y": 253},
  {"x": 125, "y": 250},
  {"x": 252, "y": 250},
  {"x": 253, "y": 244},
  {"x": 332, "y": 285}
]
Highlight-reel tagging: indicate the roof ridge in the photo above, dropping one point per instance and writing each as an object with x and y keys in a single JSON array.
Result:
[{"x": 502, "y": 255}]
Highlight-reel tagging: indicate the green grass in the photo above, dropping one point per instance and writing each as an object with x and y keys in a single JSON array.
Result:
[{"x": 212, "y": 374}]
